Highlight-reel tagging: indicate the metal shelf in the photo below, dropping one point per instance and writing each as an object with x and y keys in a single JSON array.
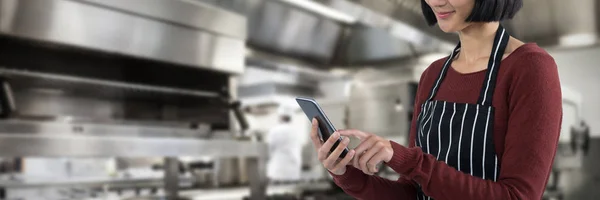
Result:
[
  {"x": 23, "y": 145},
  {"x": 74, "y": 126},
  {"x": 71, "y": 145},
  {"x": 53, "y": 139},
  {"x": 83, "y": 85},
  {"x": 34, "y": 138},
  {"x": 89, "y": 182}
]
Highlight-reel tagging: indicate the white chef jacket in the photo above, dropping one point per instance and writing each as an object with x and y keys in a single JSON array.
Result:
[{"x": 285, "y": 153}]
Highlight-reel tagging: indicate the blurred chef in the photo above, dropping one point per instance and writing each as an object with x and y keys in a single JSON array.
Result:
[{"x": 285, "y": 148}]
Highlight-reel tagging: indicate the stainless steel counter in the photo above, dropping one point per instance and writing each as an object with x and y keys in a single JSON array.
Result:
[
  {"x": 110, "y": 185},
  {"x": 90, "y": 182},
  {"x": 241, "y": 192},
  {"x": 64, "y": 142}
]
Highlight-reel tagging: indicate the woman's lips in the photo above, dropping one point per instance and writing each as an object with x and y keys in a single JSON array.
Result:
[{"x": 443, "y": 15}]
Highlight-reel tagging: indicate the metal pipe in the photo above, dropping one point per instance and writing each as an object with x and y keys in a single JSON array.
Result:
[{"x": 171, "y": 178}]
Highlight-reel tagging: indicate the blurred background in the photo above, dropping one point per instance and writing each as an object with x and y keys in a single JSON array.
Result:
[{"x": 185, "y": 99}]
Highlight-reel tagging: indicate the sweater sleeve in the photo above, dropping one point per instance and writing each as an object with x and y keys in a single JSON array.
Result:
[
  {"x": 366, "y": 187},
  {"x": 534, "y": 120}
]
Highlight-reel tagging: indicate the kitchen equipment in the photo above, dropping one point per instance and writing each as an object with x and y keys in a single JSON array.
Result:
[
  {"x": 231, "y": 171},
  {"x": 224, "y": 171},
  {"x": 203, "y": 173},
  {"x": 580, "y": 138},
  {"x": 121, "y": 79},
  {"x": 572, "y": 147},
  {"x": 154, "y": 198},
  {"x": 227, "y": 172}
]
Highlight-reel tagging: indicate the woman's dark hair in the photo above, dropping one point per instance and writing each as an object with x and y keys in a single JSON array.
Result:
[{"x": 483, "y": 11}]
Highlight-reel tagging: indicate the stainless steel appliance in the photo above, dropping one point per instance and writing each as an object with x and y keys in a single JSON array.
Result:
[
  {"x": 572, "y": 149},
  {"x": 139, "y": 78}
]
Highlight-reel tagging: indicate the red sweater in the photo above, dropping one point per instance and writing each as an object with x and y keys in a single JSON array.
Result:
[{"x": 528, "y": 105}]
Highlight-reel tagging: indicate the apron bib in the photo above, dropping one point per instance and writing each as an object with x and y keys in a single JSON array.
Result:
[{"x": 460, "y": 134}]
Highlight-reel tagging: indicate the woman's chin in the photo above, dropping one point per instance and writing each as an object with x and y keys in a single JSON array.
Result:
[{"x": 447, "y": 28}]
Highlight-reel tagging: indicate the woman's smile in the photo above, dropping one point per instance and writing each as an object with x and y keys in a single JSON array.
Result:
[{"x": 444, "y": 15}]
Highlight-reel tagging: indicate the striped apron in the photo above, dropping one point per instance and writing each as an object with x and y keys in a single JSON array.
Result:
[{"x": 460, "y": 134}]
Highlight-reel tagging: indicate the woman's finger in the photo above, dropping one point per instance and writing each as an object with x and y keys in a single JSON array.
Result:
[
  {"x": 373, "y": 163},
  {"x": 362, "y": 162},
  {"x": 322, "y": 154},
  {"x": 330, "y": 142},
  {"x": 314, "y": 134},
  {"x": 344, "y": 161},
  {"x": 334, "y": 156},
  {"x": 325, "y": 149},
  {"x": 356, "y": 133},
  {"x": 355, "y": 159},
  {"x": 365, "y": 145}
]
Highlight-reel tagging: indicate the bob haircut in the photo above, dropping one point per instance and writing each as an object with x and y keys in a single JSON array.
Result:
[{"x": 483, "y": 11}]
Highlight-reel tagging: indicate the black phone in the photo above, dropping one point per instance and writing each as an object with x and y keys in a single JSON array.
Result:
[{"x": 312, "y": 110}]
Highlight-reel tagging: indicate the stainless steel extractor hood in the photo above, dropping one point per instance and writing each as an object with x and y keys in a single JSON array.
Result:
[
  {"x": 182, "y": 32},
  {"x": 360, "y": 32},
  {"x": 329, "y": 33},
  {"x": 548, "y": 23},
  {"x": 119, "y": 60},
  {"x": 558, "y": 23}
]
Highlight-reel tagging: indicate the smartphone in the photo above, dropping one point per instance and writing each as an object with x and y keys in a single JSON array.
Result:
[{"x": 312, "y": 110}]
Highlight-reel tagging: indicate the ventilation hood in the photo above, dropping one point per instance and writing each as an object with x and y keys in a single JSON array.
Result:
[
  {"x": 333, "y": 33},
  {"x": 329, "y": 33},
  {"x": 558, "y": 23},
  {"x": 178, "y": 32},
  {"x": 546, "y": 22},
  {"x": 325, "y": 34}
]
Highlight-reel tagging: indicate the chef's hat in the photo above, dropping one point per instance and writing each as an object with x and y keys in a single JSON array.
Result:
[{"x": 286, "y": 108}]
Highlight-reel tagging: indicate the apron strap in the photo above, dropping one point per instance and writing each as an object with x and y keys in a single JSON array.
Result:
[
  {"x": 500, "y": 43},
  {"x": 489, "y": 84},
  {"x": 443, "y": 72}
]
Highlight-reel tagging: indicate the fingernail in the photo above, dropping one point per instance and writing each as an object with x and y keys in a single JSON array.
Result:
[
  {"x": 336, "y": 135},
  {"x": 346, "y": 140},
  {"x": 314, "y": 120}
]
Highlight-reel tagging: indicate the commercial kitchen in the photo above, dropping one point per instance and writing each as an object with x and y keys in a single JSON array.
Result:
[{"x": 173, "y": 99}]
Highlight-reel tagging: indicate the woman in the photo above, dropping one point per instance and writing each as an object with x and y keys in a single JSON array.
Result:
[{"x": 486, "y": 122}]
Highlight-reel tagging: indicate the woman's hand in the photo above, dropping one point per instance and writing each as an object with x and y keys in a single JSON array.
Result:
[
  {"x": 371, "y": 151},
  {"x": 331, "y": 160}
]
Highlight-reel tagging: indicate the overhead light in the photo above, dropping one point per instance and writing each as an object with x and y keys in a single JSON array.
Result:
[
  {"x": 322, "y": 10},
  {"x": 339, "y": 72}
]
